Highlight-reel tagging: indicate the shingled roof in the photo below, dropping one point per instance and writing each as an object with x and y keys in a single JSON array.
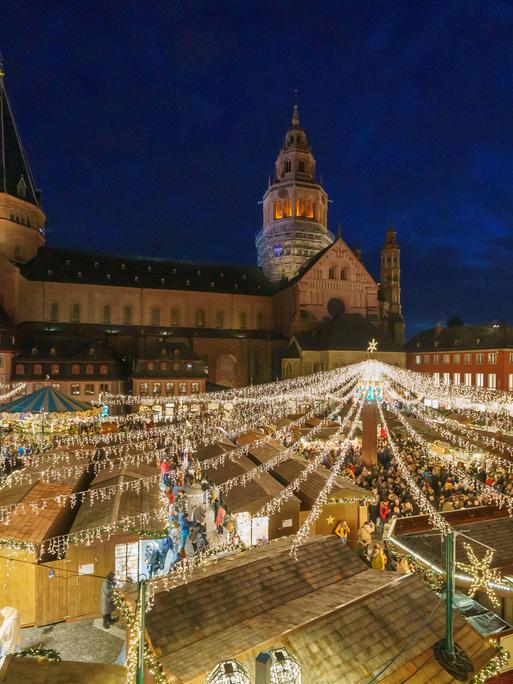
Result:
[
  {"x": 343, "y": 621},
  {"x": 70, "y": 266}
]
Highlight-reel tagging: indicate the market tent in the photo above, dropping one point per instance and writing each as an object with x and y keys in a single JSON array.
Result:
[{"x": 47, "y": 400}]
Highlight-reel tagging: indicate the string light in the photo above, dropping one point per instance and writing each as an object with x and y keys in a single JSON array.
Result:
[
  {"x": 482, "y": 574},
  {"x": 302, "y": 534}
]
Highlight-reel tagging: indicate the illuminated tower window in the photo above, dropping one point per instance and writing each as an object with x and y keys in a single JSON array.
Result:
[
  {"x": 287, "y": 208},
  {"x": 278, "y": 211},
  {"x": 300, "y": 206},
  {"x": 310, "y": 209}
]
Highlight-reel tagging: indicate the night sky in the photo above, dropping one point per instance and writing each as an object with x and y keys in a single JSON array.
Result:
[{"x": 151, "y": 128}]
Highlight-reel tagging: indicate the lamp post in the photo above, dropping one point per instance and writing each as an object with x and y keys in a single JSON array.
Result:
[{"x": 450, "y": 544}]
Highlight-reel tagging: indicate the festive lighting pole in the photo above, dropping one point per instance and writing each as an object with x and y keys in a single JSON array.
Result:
[
  {"x": 450, "y": 548},
  {"x": 142, "y": 612}
]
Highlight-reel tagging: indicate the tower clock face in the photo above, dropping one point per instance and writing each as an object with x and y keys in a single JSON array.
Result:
[{"x": 278, "y": 250}]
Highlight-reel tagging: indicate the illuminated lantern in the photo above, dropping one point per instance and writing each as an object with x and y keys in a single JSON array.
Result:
[
  {"x": 229, "y": 672},
  {"x": 285, "y": 669}
]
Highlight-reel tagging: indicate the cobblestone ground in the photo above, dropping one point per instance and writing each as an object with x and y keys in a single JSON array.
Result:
[{"x": 84, "y": 640}]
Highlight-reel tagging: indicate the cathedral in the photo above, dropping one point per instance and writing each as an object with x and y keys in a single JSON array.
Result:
[{"x": 92, "y": 322}]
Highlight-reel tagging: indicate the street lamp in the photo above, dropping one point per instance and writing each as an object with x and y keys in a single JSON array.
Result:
[
  {"x": 228, "y": 672},
  {"x": 285, "y": 669}
]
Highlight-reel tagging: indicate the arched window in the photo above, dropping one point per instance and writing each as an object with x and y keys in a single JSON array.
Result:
[
  {"x": 200, "y": 318},
  {"x": 104, "y": 369},
  {"x": 54, "y": 311},
  {"x": 219, "y": 319},
  {"x": 106, "y": 313},
  {"x": 155, "y": 316},
  {"x": 278, "y": 210},
  {"x": 163, "y": 365},
  {"x": 310, "y": 209},
  {"x": 127, "y": 315},
  {"x": 75, "y": 313},
  {"x": 242, "y": 320},
  {"x": 287, "y": 207},
  {"x": 37, "y": 369},
  {"x": 300, "y": 206},
  {"x": 55, "y": 369},
  {"x": 175, "y": 316},
  {"x": 75, "y": 369},
  {"x": 332, "y": 273},
  {"x": 20, "y": 369},
  {"x": 89, "y": 369},
  {"x": 150, "y": 366},
  {"x": 344, "y": 273}
]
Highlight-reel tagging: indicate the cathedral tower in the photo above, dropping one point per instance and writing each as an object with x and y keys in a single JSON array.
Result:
[
  {"x": 295, "y": 209},
  {"x": 21, "y": 216},
  {"x": 390, "y": 287}
]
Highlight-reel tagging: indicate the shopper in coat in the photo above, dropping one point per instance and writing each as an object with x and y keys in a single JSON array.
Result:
[{"x": 107, "y": 602}]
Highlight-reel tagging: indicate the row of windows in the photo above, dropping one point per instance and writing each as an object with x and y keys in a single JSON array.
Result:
[
  {"x": 55, "y": 369},
  {"x": 169, "y": 388},
  {"x": 479, "y": 357},
  {"x": 156, "y": 317},
  {"x": 287, "y": 166},
  {"x": 19, "y": 218},
  {"x": 458, "y": 379},
  {"x": 304, "y": 209},
  {"x": 336, "y": 273},
  {"x": 164, "y": 365}
]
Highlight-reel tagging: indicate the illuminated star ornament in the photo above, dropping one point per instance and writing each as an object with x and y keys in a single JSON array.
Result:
[
  {"x": 481, "y": 573},
  {"x": 373, "y": 346},
  {"x": 330, "y": 520}
]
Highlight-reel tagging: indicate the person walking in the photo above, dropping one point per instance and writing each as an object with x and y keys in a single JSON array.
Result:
[{"x": 107, "y": 602}]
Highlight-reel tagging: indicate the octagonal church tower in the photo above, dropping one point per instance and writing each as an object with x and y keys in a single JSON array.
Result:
[{"x": 295, "y": 210}]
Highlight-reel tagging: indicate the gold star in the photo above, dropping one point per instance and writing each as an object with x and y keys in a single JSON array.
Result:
[
  {"x": 373, "y": 346},
  {"x": 330, "y": 520},
  {"x": 481, "y": 573}
]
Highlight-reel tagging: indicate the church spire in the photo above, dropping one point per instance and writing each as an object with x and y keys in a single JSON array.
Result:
[
  {"x": 16, "y": 178},
  {"x": 295, "y": 117}
]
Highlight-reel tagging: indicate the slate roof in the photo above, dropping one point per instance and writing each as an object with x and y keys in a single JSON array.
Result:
[
  {"x": 343, "y": 621},
  {"x": 493, "y": 336},
  {"x": 343, "y": 332},
  {"x": 11, "y": 150},
  {"x": 70, "y": 266}
]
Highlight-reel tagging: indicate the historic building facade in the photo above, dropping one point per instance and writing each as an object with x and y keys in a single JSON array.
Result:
[
  {"x": 465, "y": 355},
  {"x": 232, "y": 325}
]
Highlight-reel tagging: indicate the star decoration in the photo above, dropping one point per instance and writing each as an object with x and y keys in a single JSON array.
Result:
[
  {"x": 373, "y": 346},
  {"x": 481, "y": 573},
  {"x": 330, "y": 520}
]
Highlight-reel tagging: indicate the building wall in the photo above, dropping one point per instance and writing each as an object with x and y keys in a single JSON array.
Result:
[{"x": 466, "y": 366}]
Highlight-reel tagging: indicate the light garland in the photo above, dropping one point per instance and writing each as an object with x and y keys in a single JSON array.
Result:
[
  {"x": 276, "y": 503},
  {"x": 16, "y": 388},
  {"x": 494, "y": 666},
  {"x": 482, "y": 574},
  {"x": 49, "y": 655},
  {"x": 303, "y": 532},
  {"x": 418, "y": 496}
]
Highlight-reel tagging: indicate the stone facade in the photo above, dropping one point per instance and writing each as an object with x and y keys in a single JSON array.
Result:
[{"x": 237, "y": 322}]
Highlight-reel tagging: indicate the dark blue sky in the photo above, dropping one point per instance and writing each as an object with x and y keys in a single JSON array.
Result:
[{"x": 151, "y": 128}]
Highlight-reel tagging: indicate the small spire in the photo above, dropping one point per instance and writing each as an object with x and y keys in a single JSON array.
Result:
[
  {"x": 295, "y": 117},
  {"x": 339, "y": 230},
  {"x": 2, "y": 72}
]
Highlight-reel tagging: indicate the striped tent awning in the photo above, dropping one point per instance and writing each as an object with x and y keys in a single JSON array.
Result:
[{"x": 47, "y": 400}]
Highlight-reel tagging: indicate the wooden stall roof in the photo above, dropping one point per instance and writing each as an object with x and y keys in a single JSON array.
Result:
[
  {"x": 291, "y": 468},
  {"x": 342, "y": 620},
  {"x": 123, "y": 503},
  {"x": 494, "y": 532},
  {"x": 30, "y": 671},
  {"x": 252, "y": 496}
]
